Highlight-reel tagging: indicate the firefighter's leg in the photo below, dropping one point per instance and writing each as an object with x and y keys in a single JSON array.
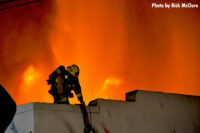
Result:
[
  {"x": 60, "y": 88},
  {"x": 67, "y": 101},
  {"x": 56, "y": 98},
  {"x": 54, "y": 93}
]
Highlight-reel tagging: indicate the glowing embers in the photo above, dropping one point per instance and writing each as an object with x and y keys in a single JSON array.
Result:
[
  {"x": 30, "y": 77},
  {"x": 108, "y": 83}
]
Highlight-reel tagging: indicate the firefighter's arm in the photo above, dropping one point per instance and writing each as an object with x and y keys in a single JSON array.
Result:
[
  {"x": 77, "y": 90},
  {"x": 52, "y": 76},
  {"x": 80, "y": 97}
]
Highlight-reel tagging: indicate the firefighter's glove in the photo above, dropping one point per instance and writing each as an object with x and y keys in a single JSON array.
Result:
[
  {"x": 71, "y": 95},
  {"x": 50, "y": 91},
  {"x": 80, "y": 99},
  {"x": 48, "y": 82}
]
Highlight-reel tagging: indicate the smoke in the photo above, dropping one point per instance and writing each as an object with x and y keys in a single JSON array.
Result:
[
  {"x": 105, "y": 90},
  {"x": 24, "y": 43}
]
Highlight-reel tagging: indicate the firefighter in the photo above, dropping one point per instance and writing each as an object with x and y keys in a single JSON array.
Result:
[{"x": 63, "y": 81}]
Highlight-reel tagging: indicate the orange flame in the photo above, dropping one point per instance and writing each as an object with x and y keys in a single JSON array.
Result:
[
  {"x": 29, "y": 77},
  {"x": 119, "y": 46}
]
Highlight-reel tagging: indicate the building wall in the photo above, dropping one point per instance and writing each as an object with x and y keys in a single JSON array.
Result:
[
  {"x": 23, "y": 121},
  {"x": 151, "y": 112}
]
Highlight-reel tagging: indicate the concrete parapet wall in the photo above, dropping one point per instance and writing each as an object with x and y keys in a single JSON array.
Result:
[{"x": 151, "y": 112}]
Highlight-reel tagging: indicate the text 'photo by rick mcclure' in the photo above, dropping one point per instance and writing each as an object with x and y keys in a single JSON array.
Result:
[{"x": 176, "y": 5}]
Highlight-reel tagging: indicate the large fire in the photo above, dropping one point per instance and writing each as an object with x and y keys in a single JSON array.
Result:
[
  {"x": 29, "y": 77},
  {"x": 119, "y": 45}
]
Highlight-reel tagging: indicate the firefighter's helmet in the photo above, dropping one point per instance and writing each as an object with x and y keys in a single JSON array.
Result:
[{"x": 73, "y": 70}]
